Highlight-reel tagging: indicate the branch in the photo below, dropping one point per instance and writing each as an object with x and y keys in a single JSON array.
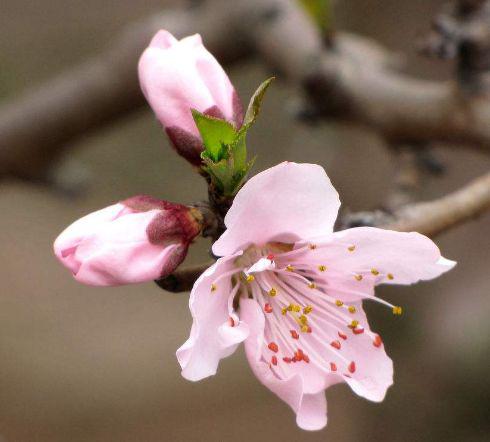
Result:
[
  {"x": 432, "y": 217},
  {"x": 183, "y": 279}
]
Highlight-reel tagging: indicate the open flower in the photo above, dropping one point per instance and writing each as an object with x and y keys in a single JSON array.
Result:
[
  {"x": 291, "y": 289},
  {"x": 136, "y": 240},
  {"x": 177, "y": 76}
]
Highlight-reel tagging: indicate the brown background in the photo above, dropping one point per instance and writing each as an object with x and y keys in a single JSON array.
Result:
[{"x": 87, "y": 364}]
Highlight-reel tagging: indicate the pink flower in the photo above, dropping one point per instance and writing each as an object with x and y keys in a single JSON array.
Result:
[
  {"x": 136, "y": 240},
  {"x": 291, "y": 289},
  {"x": 177, "y": 76}
]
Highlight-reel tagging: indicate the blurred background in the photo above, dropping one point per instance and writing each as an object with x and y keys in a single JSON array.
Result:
[{"x": 89, "y": 364}]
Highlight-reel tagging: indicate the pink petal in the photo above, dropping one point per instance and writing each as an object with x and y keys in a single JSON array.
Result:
[
  {"x": 284, "y": 203},
  {"x": 310, "y": 409},
  {"x": 213, "y": 335},
  {"x": 176, "y": 76},
  {"x": 380, "y": 256}
]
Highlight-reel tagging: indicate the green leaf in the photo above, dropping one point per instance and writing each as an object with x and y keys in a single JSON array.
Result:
[
  {"x": 320, "y": 11},
  {"x": 255, "y": 103},
  {"x": 216, "y": 135}
]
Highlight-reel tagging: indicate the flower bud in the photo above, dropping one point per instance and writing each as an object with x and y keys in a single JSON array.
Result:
[
  {"x": 177, "y": 76},
  {"x": 139, "y": 239}
]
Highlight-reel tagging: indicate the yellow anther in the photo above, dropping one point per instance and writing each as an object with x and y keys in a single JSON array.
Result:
[
  {"x": 284, "y": 310},
  {"x": 312, "y": 285},
  {"x": 351, "y": 248},
  {"x": 351, "y": 309},
  {"x": 304, "y": 328},
  {"x": 397, "y": 310},
  {"x": 296, "y": 308},
  {"x": 312, "y": 246},
  {"x": 353, "y": 324},
  {"x": 374, "y": 272},
  {"x": 308, "y": 309},
  {"x": 339, "y": 303},
  {"x": 289, "y": 268},
  {"x": 290, "y": 307},
  {"x": 390, "y": 276},
  {"x": 272, "y": 292},
  {"x": 303, "y": 319},
  {"x": 250, "y": 278},
  {"x": 213, "y": 287},
  {"x": 358, "y": 277},
  {"x": 322, "y": 268}
]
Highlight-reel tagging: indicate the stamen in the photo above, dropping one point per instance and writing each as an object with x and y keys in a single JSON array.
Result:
[
  {"x": 273, "y": 347},
  {"x": 312, "y": 246},
  {"x": 333, "y": 366},
  {"x": 289, "y": 268},
  {"x": 274, "y": 360},
  {"x": 339, "y": 303},
  {"x": 335, "y": 344},
  {"x": 342, "y": 335},
  {"x": 213, "y": 287},
  {"x": 375, "y": 272},
  {"x": 270, "y": 257},
  {"x": 352, "y": 367},
  {"x": 353, "y": 324},
  {"x": 312, "y": 285},
  {"x": 272, "y": 292},
  {"x": 377, "y": 341},
  {"x": 286, "y": 360},
  {"x": 231, "y": 322},
  {"x": 390, "y": 276},
  {"x": 322, "y": 268},
  {"x": 351, "y": 309},
  {"x": 358, "y": 331},
  {"x": 358, "y": 277},
  {"x": 308, "y": 309},
  {"x": 397, "y": 310},
  {"x": 268, "y": 308},
  {"x": 250, "y": 278},
  {"x": 294, "y": 334},
  {"x": 351, "y": 248}
]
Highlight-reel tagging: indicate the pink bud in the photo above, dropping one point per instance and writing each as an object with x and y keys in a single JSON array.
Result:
[
  {"x": 136, "y": 240},
  {"x": 177, "y": 76}
]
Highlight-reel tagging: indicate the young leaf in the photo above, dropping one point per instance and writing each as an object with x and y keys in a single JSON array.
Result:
[
  {"x": 216, "y": 134},
  {"x": 320, "y": 11},
  {"x": 255, "y": 103}
]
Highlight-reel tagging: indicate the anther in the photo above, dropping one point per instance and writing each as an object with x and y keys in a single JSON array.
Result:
[
  {"x": 357, "y": 331},
  {"x": 294, "y": 334},
  {"x": 353, "y": 324},
  {"x": 351, "y": 248},
  {"x": 213, "y": 287},
  {"x": 375, "y": 272},
  {"x": 335, "y": 344},
  {"x": 303, "y": 319},
  {"x": 270, "y": 257},
  {"x": 358, "y": 277},
  {"x": 272, "y": 292},
  {"x": 390, "y": 276},
  {"x": 339, "y": 303},
  {"x": 231, "y": 322},
  {"x": 312, "y": 285},
  {"x": 377, "y": 341},
  {"x": 284, "y": 310},
  {"x": 351, "y": 309},
  {"x": 289, "y": 268},
  {"x": 333, "y": 366},
  {"x": 273, "y": 347},
  {"x": 274, "y": 360},
  {"x": 397, "y": 310},
  {"x": 286, "y": 360},
  {"x": 250, "y": 278},
  {"x": 352, "y": 367},
  {"x": 342, "y": 335},
  {"x": 306, "y": 359},
  {"x": 308, "y": 309},
  {"x": 296, "y": 308},
  {"x": 322, "y": 268},
  {"x": 268, "y": 308},
  {"x": 312, "y": 246}
]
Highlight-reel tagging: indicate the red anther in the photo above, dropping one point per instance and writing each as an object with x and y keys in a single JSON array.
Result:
[
  {"x": 287, "y": 360},
  {"x": 294, "y": 334},
  {"x": 270, "y": 257},
  {"x": 352, "y": 367},
  {"x": 377, "y": 341},
  {"x": 306, "y": 359},
  {"x": 231, "y": 322},
  {"x": 335, "y": 344},
  {"x": 342, "y": 335},
  {"x": 274, "y": 360},
  {"x": 333, "y": 366},
  {"x": 299, "y": 355},
  {"x": 273, "y": 347},
  {"x": 309, "y": 330},
  {"x": 294, "y": 359},
  {"x": 268, "y": 308},
  {"x": 357, "y": 331}
]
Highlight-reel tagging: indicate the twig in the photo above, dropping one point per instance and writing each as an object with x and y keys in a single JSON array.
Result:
[{"x": 183, "y": 279}]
